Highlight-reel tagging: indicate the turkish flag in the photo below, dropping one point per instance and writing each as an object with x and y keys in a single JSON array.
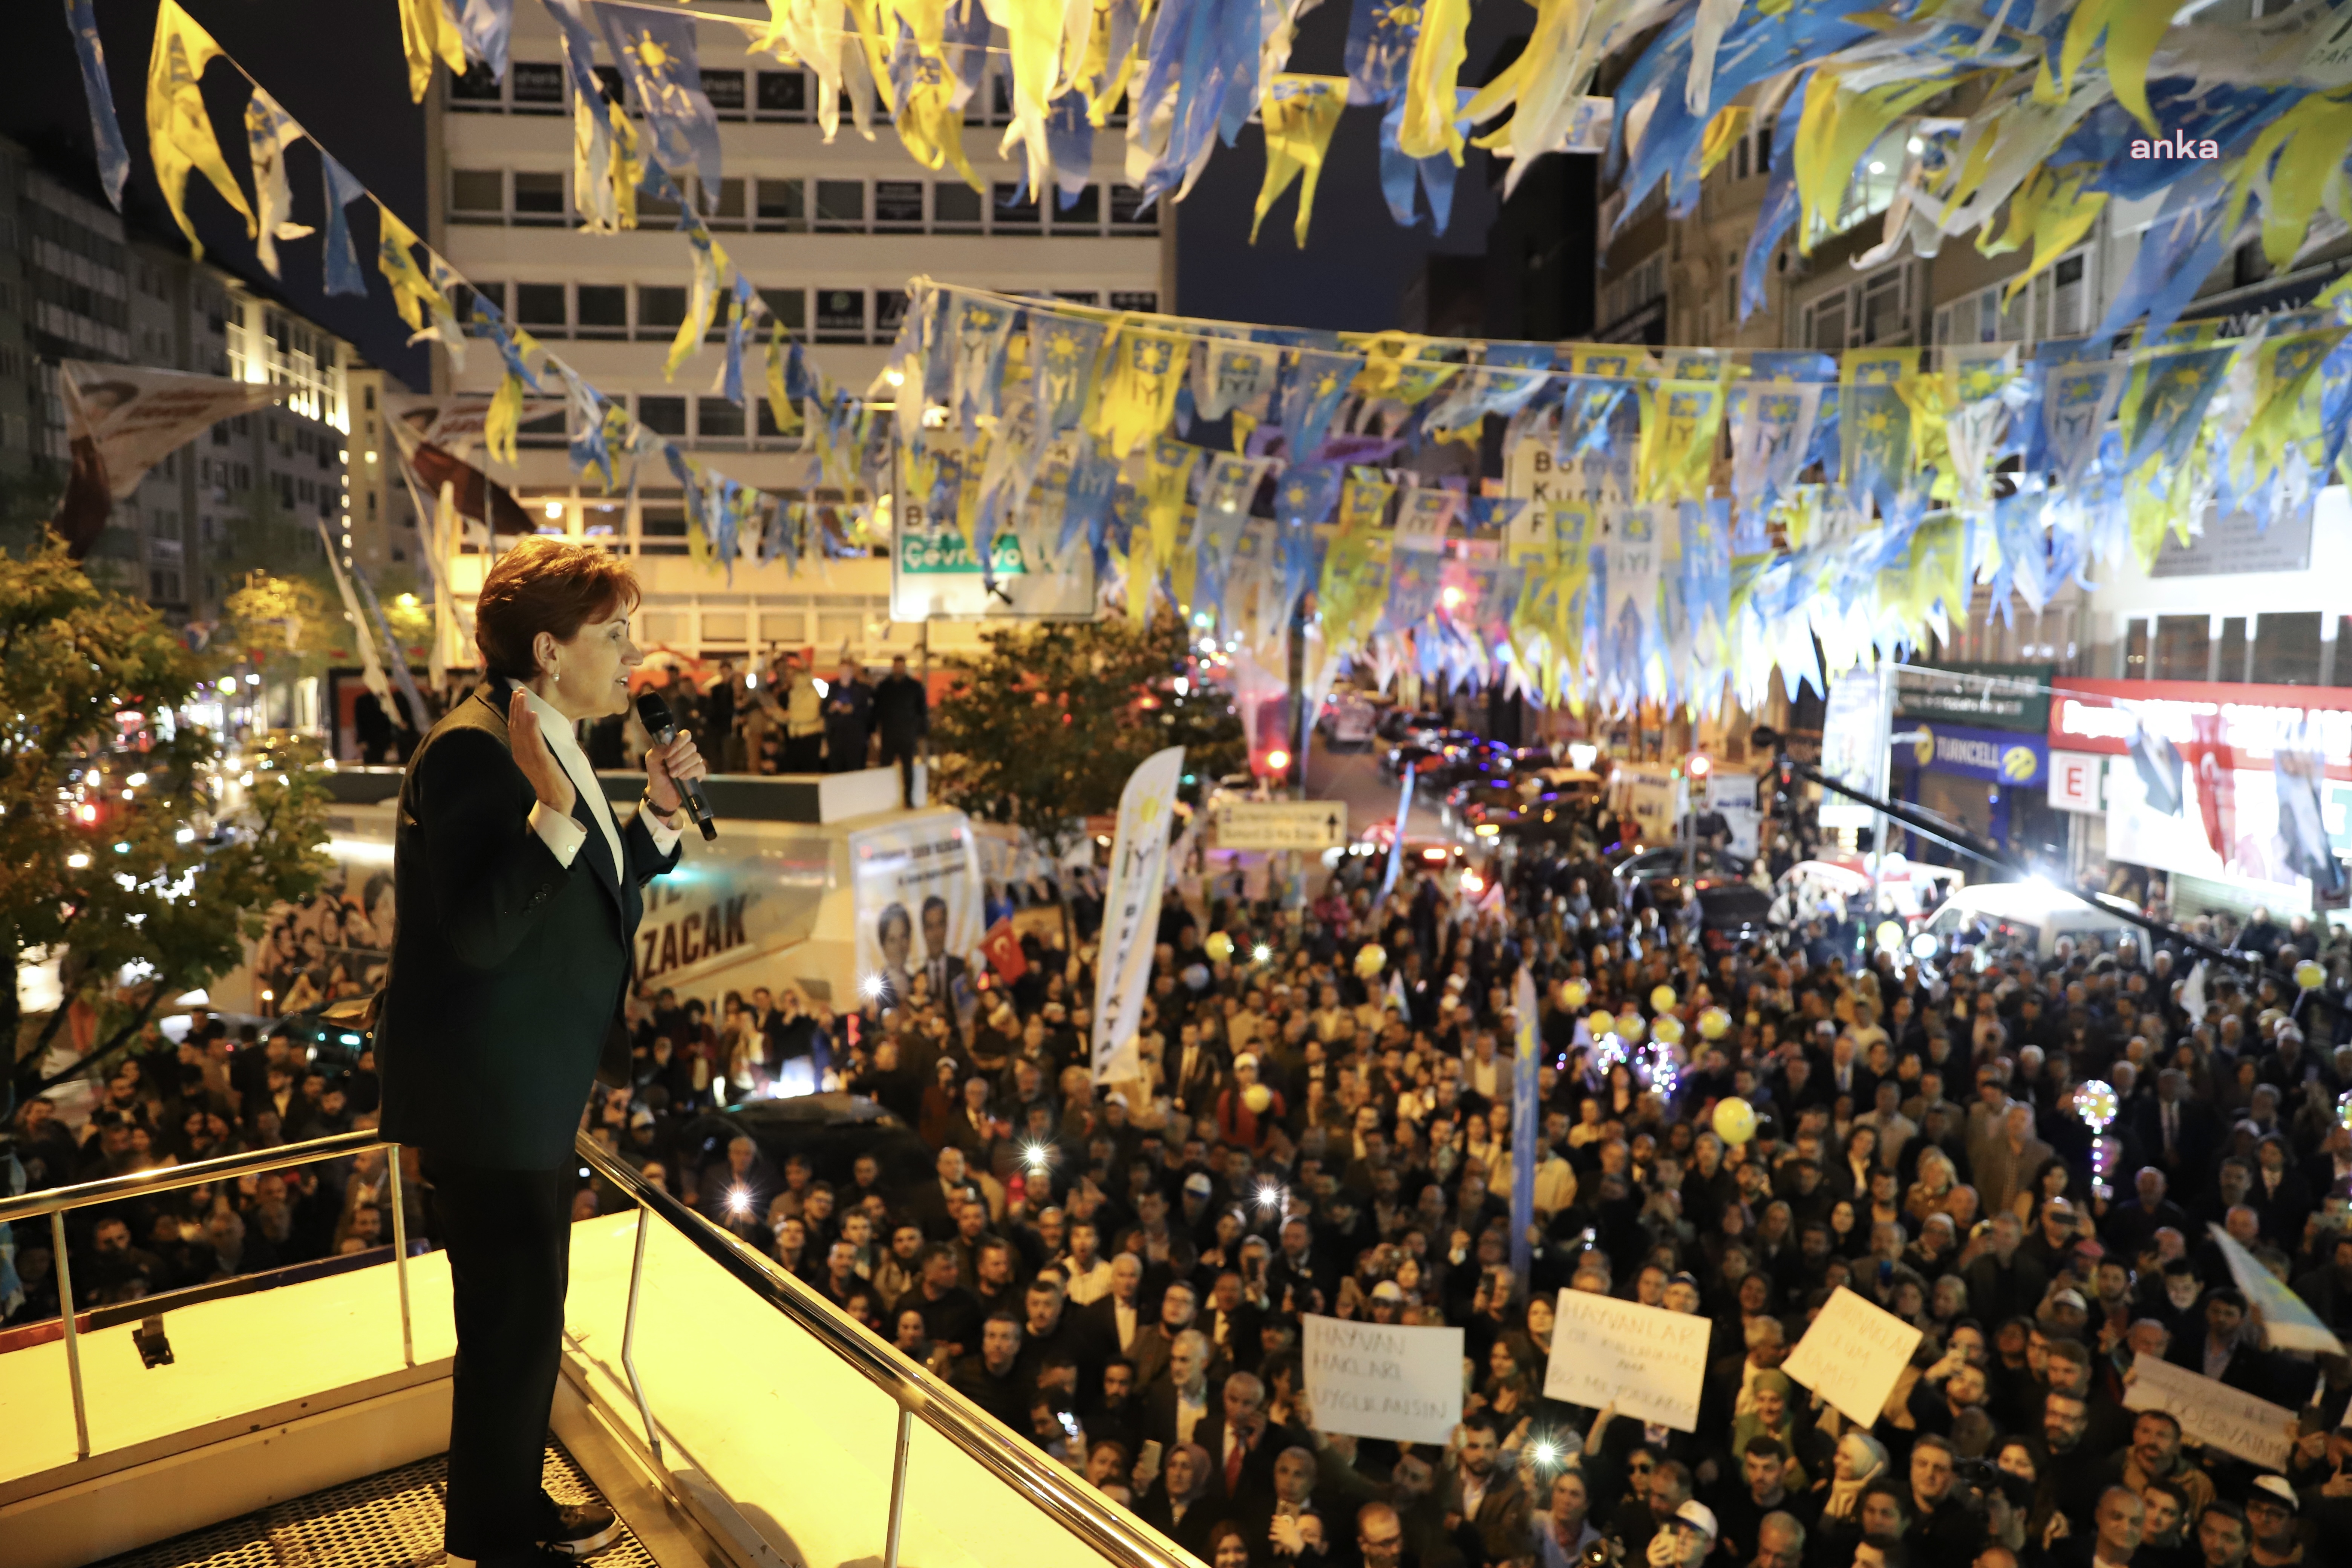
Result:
[{"x": 1003, "y": 951}]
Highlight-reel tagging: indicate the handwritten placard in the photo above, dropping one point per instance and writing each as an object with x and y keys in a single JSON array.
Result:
[
  {"x": 1646, "y": 1361},
  {"x": 2212, "y": 1412},
  {"x": 1853, "y": 1355},
  {"x": 1379, "y": 1380}
]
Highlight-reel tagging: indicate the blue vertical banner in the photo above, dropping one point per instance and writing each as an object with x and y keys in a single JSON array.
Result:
[
  {"x": 1524, "y": 1127},
  {"x": 1396, "y": 839}
]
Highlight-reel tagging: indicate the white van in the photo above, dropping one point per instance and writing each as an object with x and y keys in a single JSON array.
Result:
[{"x": 2032, "y": 915}]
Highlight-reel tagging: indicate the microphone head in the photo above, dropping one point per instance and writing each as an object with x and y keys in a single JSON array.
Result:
[{"x": 654, "y": 714}]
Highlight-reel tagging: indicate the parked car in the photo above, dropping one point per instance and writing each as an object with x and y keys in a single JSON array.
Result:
[
  {"x": 1662, "y": 871},
  {"x": 1730, "y": 913}
]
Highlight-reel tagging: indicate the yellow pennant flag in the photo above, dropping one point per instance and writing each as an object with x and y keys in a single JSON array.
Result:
[
  {"x": 1431, "y": 105},
  {"x": 701, "y": 301},
  {"x": 428, "y": 30},
  {"x": 1168, "y": 470},
  {"x": 1723, "y": 133},
  {"x": 1137, "y": 391},
  {"x": 1838, "y": 128},
  {"x": 413, "y": 294},
  {"x": 2132, "y": 30},
  {"x": 2056, "y": 211},
  {"x": 178, "y": 131},
  {"x": 1301, "y": 113},
  {"x": 1680, "y": 421},
  {"x": 498, "y": 426}
]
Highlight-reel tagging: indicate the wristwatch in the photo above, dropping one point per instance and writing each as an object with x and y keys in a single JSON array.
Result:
[{"x": 670, "y": 819}]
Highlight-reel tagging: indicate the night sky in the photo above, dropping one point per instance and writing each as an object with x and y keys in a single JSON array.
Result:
[{"x": 337, "y": 68}]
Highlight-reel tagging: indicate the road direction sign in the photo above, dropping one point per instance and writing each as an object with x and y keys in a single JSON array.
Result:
[{"x": 1281, "y": 823}]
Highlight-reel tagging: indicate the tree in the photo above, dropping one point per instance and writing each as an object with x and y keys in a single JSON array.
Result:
[
  {"x": 125, "y": 848},
  {"x": 1043, "y": 729}
]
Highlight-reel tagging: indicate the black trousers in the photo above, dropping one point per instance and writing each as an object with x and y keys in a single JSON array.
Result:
[
  {"x": 901, "y": 751},
  {"x": 508, "y": 1238}
]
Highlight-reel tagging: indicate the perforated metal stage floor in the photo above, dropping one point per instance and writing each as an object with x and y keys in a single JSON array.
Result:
[{"x": 388, "y": 1521}]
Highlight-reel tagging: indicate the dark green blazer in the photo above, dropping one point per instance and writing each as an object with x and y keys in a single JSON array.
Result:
[{"x": 508, "y": 970}]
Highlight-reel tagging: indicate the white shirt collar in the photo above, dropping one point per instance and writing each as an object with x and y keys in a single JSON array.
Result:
[{"x": 564, "y": 742}]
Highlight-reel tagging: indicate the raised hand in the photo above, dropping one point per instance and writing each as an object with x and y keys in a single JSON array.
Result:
[{"x": 536, "y": 758}]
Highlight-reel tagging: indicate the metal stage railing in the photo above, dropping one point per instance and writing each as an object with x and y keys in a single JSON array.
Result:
[
  {"x": 1102, "y": 1525},
  {"x": 59, "y": 1201}
]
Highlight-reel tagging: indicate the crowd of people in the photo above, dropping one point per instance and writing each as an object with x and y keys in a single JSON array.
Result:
[{"x": 1321, "y": 1124}]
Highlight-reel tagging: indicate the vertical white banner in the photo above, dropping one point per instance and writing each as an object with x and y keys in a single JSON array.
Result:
[{"x": 1131, "y": 928}]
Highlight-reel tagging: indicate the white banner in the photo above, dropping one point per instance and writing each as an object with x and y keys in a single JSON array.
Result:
[
  {"x": 2212, "y": 1412},
  {"x": 1131, "y": 928},
  {"x": 121, "y": 420},
  {"x": 1377, "y": 1380},
  {"x": 2289, "y": 1323},
  {"x": 1646, "y": 1361},
  {"x": 1853, "y": 1355},
  {"x": 918, "y": 888}
]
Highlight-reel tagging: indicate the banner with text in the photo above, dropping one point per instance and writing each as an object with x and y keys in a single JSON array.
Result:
[
  {"x": 1131, "y": 928},
  {"x": 1646, "y": 1361},
  {"x": 1379, "y": 1380},
  {"x": 1853, "y": 1355},
  {"x": 2212, "y": 1412}
]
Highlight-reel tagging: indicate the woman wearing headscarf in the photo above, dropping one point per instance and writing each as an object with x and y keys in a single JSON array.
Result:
[
  {"x": 1173, "y": 1499},
  {"x": 1860, "y": 1460}
]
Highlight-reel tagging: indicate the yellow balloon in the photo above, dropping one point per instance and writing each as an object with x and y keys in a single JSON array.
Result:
[
  {"x": 1257, "y": 1097},
  {"x": 1663, "y": 999},
  {"x": 1714, "y": 1023},
  {"x": 1573, "y": 994},
  {"x": 1734, "y": 1120},
  {"x": 1371, "y": 958},
  {"x": 2310, "y": 975},
  {"x": 1220, "y": 946},
  {"x": 1632, "y": 1025},
  {"x": 1667, "y": 1028},
  {"x": 1602, "y": 1022}
]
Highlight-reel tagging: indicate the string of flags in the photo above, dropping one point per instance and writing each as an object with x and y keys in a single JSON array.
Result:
[
  {"x": 1663, "y": 526},
  {"x": 2017, "y": 124},
  {"x": 726, "y": 517}
]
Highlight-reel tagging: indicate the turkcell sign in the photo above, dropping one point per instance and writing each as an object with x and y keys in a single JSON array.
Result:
[{"x": 1997, "y": 756}]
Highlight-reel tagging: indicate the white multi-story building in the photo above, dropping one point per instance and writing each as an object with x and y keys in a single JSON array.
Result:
[
  {"x": 829, "y": 235},
  {"x": 78, "y": 285}
]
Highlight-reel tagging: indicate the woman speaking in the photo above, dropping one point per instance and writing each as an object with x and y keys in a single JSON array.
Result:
[{"x": 519, "y": 899}]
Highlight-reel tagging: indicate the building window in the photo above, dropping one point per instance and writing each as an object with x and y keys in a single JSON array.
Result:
[
  {"x": 539, "y": 307},
  {"x": 663, "y": 413},
  {"x": 2183, "y": 646},
  {"x": 661, "y": 310},
  {"x": 477, "y": 195},
  {"x": 2286, "y": 651},
  {"x": 783, "y": 204},
  {"x": 789, "y": 307},
  {"x": 899, "y": 206},
  {"x": 1083, "y": 213},
  {"x": 2231, "y": 666},
  {"x": 725, "y": 90},
  {"x": 955, "y": 208},
  {"x": 889, "y": 312},
  {"x": 718, "y": 419},
  {"x": 538, "y": 198},
  {"x": 475, "y": 90},
  {"x": 1146, "y": 301},
  {"x": 783, "y": 95},
  {"x": 840, "y": 206},
  {"x": 1881, "y": 308},
  {"x": 727, "y": 212},
  {"x": 841, "y": 315},
  {"x": 2070, "y": 296},
  {"x": 537, "y": 86},
  {"x": 1015, "y": 210},
  {"x": 1826, "y": 329},
  {"x": 603, "y": 310}
]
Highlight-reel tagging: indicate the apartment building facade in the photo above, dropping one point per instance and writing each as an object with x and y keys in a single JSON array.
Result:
[
  {"x": 830, "y": 235},
  {"x": 75, "y": 283}
]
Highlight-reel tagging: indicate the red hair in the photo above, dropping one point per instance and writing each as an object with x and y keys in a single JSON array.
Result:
[{"x": 546, "y": 585}]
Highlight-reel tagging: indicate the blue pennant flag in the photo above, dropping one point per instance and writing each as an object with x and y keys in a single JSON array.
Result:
[
  {"x": 658, "y": 59},
  {"x": 1400, "y": 174},
  {"x": 486, "y": 24},
  {"x": 343, "y": 256},
  {"x": 1777, "y": 219},
  {"x": 739, "y": 334},
  {"x": 105, "y": 130},
  {"x": 1315, "y": 384}
]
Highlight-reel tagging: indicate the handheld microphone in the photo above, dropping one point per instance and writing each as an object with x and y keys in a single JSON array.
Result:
[{"x": 654, "y": 714}]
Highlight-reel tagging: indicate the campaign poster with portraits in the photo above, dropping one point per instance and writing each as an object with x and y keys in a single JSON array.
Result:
[{"x": 918, "y": 900}]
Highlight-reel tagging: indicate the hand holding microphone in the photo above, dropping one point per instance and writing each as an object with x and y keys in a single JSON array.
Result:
[{"x": 674, "y": 768}]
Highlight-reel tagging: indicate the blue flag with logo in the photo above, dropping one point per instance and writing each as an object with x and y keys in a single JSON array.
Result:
[{"x": 658, "y": 59}]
